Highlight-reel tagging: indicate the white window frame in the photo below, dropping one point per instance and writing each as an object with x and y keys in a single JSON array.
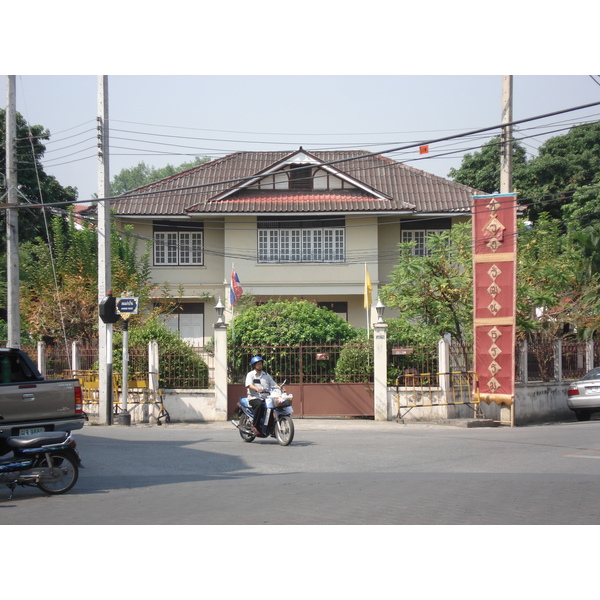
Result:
[
  {"x": 178, "y": 248},
  {"x": 302, "y": 245}
]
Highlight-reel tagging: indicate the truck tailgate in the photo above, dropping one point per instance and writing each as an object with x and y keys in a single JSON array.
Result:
[{"x": 37, "y": 400}]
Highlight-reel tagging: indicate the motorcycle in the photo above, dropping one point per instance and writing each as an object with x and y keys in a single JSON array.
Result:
[
  {"x": 277, "y": 421},
  {"x": 48, "y": 461}
]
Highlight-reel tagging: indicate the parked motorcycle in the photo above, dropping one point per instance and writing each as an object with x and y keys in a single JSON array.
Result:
[
  {"x": 48, "y": 461},
  {"x": 277, "y": 421}
]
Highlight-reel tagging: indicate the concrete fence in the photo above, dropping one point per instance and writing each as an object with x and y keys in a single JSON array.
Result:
[{"x": 534, "y": 401}]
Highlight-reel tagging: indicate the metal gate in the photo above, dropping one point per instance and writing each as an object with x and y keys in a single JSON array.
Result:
[{"x": 326, "y": 380}]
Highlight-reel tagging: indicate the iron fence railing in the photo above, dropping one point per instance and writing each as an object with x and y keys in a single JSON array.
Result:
[
  {"x": 554, "y": 361},
  {"x": 306, "y": 363}
]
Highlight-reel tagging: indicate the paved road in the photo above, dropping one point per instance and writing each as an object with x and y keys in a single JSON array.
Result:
[{"x": 335, "y": 472}]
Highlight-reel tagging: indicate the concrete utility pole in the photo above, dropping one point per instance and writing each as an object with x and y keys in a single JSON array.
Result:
[
  {"x": 506, "y": 137},
  {"x": 12, "y": 219},
  {"x": 506, "y": 184},
  {"x": 105, "y": 330}
]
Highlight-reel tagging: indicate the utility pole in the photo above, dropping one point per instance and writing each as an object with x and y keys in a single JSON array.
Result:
[
  {"x": 506, "y": 184},
  {"x": 506, "y": 136},
  {"x": 12, "y": 219},
  {"x": 105, "y": 330}
]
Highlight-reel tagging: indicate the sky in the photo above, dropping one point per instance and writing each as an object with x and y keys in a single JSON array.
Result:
[
  {"x": 170, "y": 119},
  {"x": 204, "y": 80}
]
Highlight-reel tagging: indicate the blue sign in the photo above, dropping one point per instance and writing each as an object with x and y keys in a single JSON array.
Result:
[{"x": 127, "y": 305}]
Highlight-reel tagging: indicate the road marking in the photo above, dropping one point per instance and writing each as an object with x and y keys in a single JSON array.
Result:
[
  {"x": 579, "y": 456},
  {"x": 583, "y": 454}
]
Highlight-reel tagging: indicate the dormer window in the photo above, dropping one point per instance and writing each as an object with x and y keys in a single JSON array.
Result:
[{"x": 300, "y": 177}]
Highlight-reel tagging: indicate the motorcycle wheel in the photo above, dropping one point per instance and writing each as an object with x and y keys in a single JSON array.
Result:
[
  {"x": 284, "y": 431},
  {"x": 245, "y": 428},
  {"x": 70, "y": 474}
]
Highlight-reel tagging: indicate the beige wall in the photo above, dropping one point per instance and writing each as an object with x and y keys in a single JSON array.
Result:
[{"x": 368, "y": 239}]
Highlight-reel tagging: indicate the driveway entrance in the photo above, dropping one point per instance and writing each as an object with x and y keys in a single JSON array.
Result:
[
  {"x": 320, "y": 387},
  {"x": 320, "y": 399}
]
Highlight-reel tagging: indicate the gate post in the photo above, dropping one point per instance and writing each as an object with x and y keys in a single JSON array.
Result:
[
  {"x": 153, "y": 379},
  {"x": 382, "y": 408},
  {"x": 589, "y": 355},
  {"x": 75, "y": 358},
  {"x": 220, "y": 371},
  {"x": 444, "y": 373},
  {"x": 41, "y": 358}
]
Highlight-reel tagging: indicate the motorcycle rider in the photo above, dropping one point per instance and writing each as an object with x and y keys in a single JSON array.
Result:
[{"x": 257, "y": 381}]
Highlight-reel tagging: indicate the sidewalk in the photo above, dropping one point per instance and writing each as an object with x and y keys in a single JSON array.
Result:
[{"x": 332, "y": 424}]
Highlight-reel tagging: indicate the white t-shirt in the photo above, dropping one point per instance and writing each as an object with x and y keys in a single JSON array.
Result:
[{"x": 256, "y": 378}]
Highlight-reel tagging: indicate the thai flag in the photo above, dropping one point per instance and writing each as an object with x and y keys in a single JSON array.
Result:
[{"x": 236, "y": 291}]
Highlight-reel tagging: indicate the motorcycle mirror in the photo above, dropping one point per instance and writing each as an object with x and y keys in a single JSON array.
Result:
[{"x": 284, "y": 382}]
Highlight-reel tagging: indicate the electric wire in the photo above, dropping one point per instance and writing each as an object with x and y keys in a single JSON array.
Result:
[{"x": 417, "y": 143}]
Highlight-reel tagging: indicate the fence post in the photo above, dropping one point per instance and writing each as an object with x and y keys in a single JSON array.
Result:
[
  {"x": 153, "y": 380},
  {"x": 523, "y": 362},
  {"x": 444, "y": 363},
  {"x": 382, "y": 408},
  {"x": 589, "y": 355},
  {"x": 444, "y": 370},
  {"x": 220, "y": 371},
  {"x": 41, "y": 358},
  {"x": 153, "y": 366},
  {"x": 75, "y": 358},
  {"x": 558, "y": 360}
]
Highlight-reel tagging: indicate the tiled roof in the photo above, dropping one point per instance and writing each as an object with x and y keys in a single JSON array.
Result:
[{"x": 218, "y": 187}]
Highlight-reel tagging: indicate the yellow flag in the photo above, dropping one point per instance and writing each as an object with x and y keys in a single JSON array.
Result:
[{"x": 368, "y": 288}]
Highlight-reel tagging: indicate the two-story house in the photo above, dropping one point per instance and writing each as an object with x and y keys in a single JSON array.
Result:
[{"x": 297, "y": 224}]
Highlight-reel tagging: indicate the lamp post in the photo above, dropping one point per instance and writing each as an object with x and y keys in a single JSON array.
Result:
[
  {"x": 220, "y": 308},
  {"x": 380, "y": 308}
]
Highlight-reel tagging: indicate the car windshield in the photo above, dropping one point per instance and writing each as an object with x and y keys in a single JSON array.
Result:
[{"x": 593, "y": 374}]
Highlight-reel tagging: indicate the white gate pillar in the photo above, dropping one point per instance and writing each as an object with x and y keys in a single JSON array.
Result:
[
  {"x": 75, "y": 357},
  {"x": 383, "y": 410},
  {"x": 41, "y": 358},
  {"x": 221, "y": 371}
]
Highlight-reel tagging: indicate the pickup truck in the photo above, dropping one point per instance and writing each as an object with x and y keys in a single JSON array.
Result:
[{"x": 31, "y": 404}]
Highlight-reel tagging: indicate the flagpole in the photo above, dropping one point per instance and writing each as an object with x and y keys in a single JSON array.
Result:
[
  {"x": 366, "y": 302},
  {"x": 232, "y": 307}
]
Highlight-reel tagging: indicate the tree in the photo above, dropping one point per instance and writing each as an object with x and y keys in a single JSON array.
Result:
[
  {"x": 557, "y": 291},
  {"x": 59, "y": 285},
  {"x": 564, "y": 178},
  {"x": 435, "y": 292},
  {"x": 34, "y": 185},
  {"x": 481, "y": 170},
  {"x": 143, "y": 174}
]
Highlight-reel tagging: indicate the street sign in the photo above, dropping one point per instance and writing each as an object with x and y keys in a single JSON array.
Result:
[{"x": 127, "y": 305}]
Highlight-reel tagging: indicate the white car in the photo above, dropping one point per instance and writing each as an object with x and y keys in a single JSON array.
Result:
[{"x": 583, "y": 397}]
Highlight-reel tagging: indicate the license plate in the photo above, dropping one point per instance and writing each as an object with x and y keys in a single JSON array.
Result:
[
  {"x": 592, "y": 390},
  {"x": 31, "y": 431}
]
